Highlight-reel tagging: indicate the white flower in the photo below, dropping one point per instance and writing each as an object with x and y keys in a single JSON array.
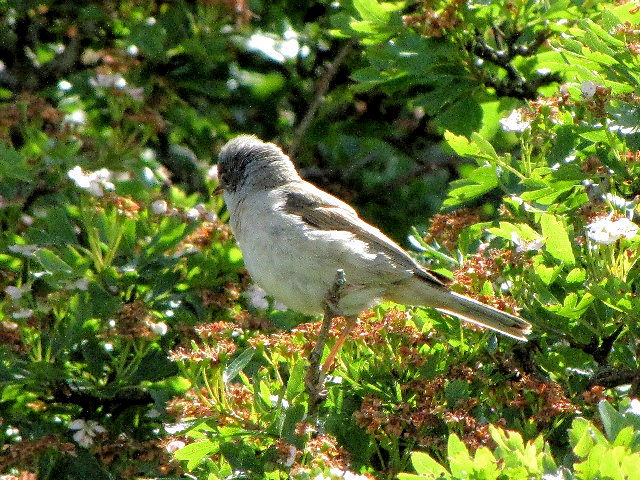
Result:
[
  {"x": 192, "y": 214},
  {"x": 77, "y": 117},
  {"x": 619, "y": 202},
  {"x": 275, "y": 48},
  {"x": 133, "y": 50},
  {"x": 276, "y": 401},
  {"x": 211, "y": 216},
  {"x": 108, "y": 80},
  {"x": 515, "y": 122},
  {"x": 291, "y": 456},
  {"x": 24, "y": 313},
  {"x": 626, "y": 228},
  {"x": 86, "y": 430},
  {"x": 94, "y": 182},
  {"x": 159, "y": 328},
  {"x": 606, "y": 231},
  {"x": 159, "y": 207},
  {"x": 27, "y": 220},
  {"x": 153, "y": 413},
  {"x": 212, "y": 172},
  {"x": 257, "y": 297},
  {"x": 175, "y": 445},
  {"x": 80, "y": 284},
  {"x": 524, "y": 246},
  {"x": 15, "y": 293},
  {"x": 588, "y": 89},
  {"x": 634, "y": 407},
  {"x": 64, "y": 85}
]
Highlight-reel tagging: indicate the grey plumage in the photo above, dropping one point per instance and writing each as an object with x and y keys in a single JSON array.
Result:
[{"x": 295, "y": 236}]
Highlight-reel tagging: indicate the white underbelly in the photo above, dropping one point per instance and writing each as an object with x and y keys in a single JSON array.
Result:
[{"x": 297, "y": 264}]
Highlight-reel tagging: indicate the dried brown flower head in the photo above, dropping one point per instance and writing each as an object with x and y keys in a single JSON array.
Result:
[{"x": 445, "y": 229}]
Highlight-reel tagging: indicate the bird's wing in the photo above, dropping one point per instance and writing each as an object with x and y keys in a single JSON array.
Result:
[{"x": 323, "y": 211}]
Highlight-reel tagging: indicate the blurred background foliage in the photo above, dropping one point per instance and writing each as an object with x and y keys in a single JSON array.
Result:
[{"x": 132, "y": 343}]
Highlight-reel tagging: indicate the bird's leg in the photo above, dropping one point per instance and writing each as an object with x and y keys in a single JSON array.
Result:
[
  {"x": 314, "y": 380},
  {"x": 350, "y": 323}
]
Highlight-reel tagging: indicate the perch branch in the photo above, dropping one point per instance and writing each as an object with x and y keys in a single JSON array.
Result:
[{"x": 315, "y": 376}]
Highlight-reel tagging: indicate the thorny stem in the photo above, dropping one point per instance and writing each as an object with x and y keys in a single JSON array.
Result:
[{"x": 315, "y": 376}]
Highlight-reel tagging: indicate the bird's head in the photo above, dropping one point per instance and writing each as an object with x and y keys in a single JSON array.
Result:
[{"x": 248, "y": 161}]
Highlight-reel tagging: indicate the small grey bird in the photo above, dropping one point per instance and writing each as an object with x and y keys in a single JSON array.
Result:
[{"x": 294, "y": 237}]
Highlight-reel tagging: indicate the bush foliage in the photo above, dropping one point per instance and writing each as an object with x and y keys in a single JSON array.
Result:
[{"x": 497, "y": 140}]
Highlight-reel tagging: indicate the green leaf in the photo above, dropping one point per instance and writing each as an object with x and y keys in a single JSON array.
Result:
[
  {"x": 371, "y": 11},
  {"x": 427, "y": 467},
  {"x": 13, "y": 165},
  {"x": 481, "y": 181},
  {"x": 293, "y": 416},
  {"x": 557, "y": 239},
  {"x": 52, "y": 263},
  {"x": 194, "y": 453},
  {"x": 612, "y": 421},
  {"x": 460, "y": 462},
  {"x": 461, "y": 145},
  {"x": 166, "y": 239},
  {"x": 234, "y": 368},
  {"x": 456, "y": 390},
  {"x": 577, "y": 275},
  {"x": 583, "y": 435},
  {"x": 295, "y": 385},
  {"x": 464, "y": 116}
]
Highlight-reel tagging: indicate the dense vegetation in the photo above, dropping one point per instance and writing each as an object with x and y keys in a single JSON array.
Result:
[{"x": 497, "y": 140}]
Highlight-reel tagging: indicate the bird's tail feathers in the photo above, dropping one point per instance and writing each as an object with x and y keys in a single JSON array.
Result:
[{"x": 467, "y": 309}]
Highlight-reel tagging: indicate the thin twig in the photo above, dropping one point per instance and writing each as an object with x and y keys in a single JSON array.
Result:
[
  {"x": 315, "y": 376},
  {"x": 322, "y": 86}
]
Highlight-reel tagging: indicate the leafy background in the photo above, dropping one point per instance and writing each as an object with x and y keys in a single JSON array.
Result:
[{"x": 497, "y": 140}]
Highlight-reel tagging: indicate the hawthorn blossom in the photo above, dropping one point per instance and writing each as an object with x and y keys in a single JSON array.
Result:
[
  {"x": 346, "y": 474},
  {"x": 606, "y": 231},
  {"x": 515, "y": 122},
  {"x": 15, "y": 293},
  {"x": 159, "y": 328},
  {"x": 192, "y": 214},
  {"x": 159, "y": 207},
  {"x": 526, "y": 246},
  {"x": 257, "y": 297},
  {"x": 93, "y": 182},
  {"x": 175, "y": 445},
  {"x": 80, "y": 284},
  {"x": 86, "y": 430},
  {"x": 291, "y": 456},
  {"x": 77, "y": 117},
  {"x": 588, "y": 89},
  {"x": 24, "y": 313}
]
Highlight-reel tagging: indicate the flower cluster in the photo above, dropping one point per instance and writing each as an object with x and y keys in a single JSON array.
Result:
[
  {"x": 434, "y": 23},
  {"x": 96, "y": 182},
  {"x": 136, "y": 321},
  {"x": 86, "y": 431},
  {"x": 608, "y": 230},
  {"x": 445, "y": 228}
]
